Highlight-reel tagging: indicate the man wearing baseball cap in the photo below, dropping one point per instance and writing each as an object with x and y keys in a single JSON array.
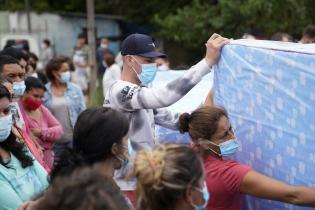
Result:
[{"x": 144, "y": 106}]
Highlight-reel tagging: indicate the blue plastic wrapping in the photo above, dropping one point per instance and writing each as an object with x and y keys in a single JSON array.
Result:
[
  {"x": 268, "y": 89},
  {"x": 192, "y": 100}
]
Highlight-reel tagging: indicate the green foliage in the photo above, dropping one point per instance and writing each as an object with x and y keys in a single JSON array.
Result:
[
  {"x": 190, "y": 23},
  {"x": 193, "y": 24}
]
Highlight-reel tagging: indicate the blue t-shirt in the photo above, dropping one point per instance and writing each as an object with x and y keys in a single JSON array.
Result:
[{"x": 18, "y": 184}]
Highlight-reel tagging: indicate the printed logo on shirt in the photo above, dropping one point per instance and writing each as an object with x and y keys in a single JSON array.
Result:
[{"x": 128, "y": 93}]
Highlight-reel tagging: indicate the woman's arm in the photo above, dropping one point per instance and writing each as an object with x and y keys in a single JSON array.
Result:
[
  {"x": 262, "y": 186},
  {"x": 54, "y": 130},
  {"x": 209, "y": 99}
]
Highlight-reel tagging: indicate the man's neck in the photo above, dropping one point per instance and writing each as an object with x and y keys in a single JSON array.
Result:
[{"x": 126, "y": 76}]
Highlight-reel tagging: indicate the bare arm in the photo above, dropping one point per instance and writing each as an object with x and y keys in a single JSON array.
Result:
[
  {"x": 262, "y": 186},
  {"x": 209, "y": 99}
]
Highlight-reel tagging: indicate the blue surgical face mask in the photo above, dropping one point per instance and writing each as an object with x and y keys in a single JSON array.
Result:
[
  {"x": 148, "y": 73},
  {"x": 227, "y": 148},
  {"x": 206, "y": 197},
  {"x": 125, "y": 160},
  {"x": 65, "y": 76},
  {"x": 19, "y": 88},
  {"x": 5, "y": 127}
]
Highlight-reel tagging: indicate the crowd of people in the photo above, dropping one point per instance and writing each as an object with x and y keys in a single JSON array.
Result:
[{"x": 57, "y": 154}]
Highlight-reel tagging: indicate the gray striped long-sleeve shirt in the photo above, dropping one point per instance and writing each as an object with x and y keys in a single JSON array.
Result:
[{"x": 144, "y": 107}]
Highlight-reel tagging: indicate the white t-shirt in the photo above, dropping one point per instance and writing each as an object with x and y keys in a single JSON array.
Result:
[
  {"x": 111, "y": 75},
  {"x": 81, "y": 73}
]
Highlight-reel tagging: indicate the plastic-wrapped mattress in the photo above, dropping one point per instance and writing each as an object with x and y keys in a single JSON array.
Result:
[{"x": 268, "y": 89}]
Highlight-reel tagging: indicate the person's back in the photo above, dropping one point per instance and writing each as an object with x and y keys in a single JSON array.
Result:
[{"x": 90, "y": 190}]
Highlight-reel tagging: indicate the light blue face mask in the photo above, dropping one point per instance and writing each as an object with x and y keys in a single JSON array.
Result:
[
  {"x": 65, "y": 76},
  {"x": 5, "y": 127},
  {"x": 227, "y": 148},
  {"x": 148, "y": 73},
  {"x": 19, "y": 88},
  {"x": 206, "y": 197},
  {"x": 124, "y": 161}
]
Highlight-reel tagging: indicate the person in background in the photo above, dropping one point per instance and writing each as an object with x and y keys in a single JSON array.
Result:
[
  {"x": 8, "y": 83},
  {"x": 113, "y": 72},
  {"x": 228, "y": 180},
  {"x": 47, "y": 52},
  {"x": 284, "y": 37},
  {"x": 19, "y": 55},
  {"x": 44, "y": 127},
  {"x": 89, "y": 189},
  {"x": 83, "y": 46},
  {"x": 119, "y": 60},
  {"x": 33, "y": 60},
  {"x": 170, "y": 177},
  {"x": 64, "y": 99},
  {"x": 248, "y": 36},
  {"x": 82, "y": 70},
  {"x": 21, "y": 177},
  {"x": 162, "y": 63},
  {"x": 103, "y": 50},
  {"x": 308, "y": 36},
  {"x": 11, "y": 68}
]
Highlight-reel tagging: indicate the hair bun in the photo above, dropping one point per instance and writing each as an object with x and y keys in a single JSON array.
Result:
[
  {"x": 184, "y": 120},
  {"x": 148, "y": 167}
]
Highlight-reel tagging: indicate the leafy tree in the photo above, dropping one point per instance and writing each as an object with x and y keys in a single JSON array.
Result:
[
  {"x": 193, "y": 24},
  {"x": 190, "y": 23}
]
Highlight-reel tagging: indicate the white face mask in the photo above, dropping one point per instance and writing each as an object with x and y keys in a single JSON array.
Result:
[
  {"x": 35, "y": 75},
  {"x": 65, "y": 77},
  {"x": 163, "y": 67},
  {"x": 5, "y": 127},
  {"x": 19, "y": 88},
  {"x": 126, "y": 155},
  {"x": 104, "y": 46},
  {"x": 205, "y": 195},
  {"x": 43, "y": 46},
  {"x": 148, "y": 72}
]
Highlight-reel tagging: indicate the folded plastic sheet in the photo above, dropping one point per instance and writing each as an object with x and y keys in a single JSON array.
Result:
[
  {"x": 188, "y": 103},
  {"x": 268, "y": 89}
]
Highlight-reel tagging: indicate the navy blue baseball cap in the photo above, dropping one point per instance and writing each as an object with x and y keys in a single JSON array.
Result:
[{"x": 141, "y": 45}]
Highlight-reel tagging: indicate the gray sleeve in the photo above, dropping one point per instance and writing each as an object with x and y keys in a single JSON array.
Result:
[
  {"x": 130, "y": 97},
  {"x": 166, "y": 118}
]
